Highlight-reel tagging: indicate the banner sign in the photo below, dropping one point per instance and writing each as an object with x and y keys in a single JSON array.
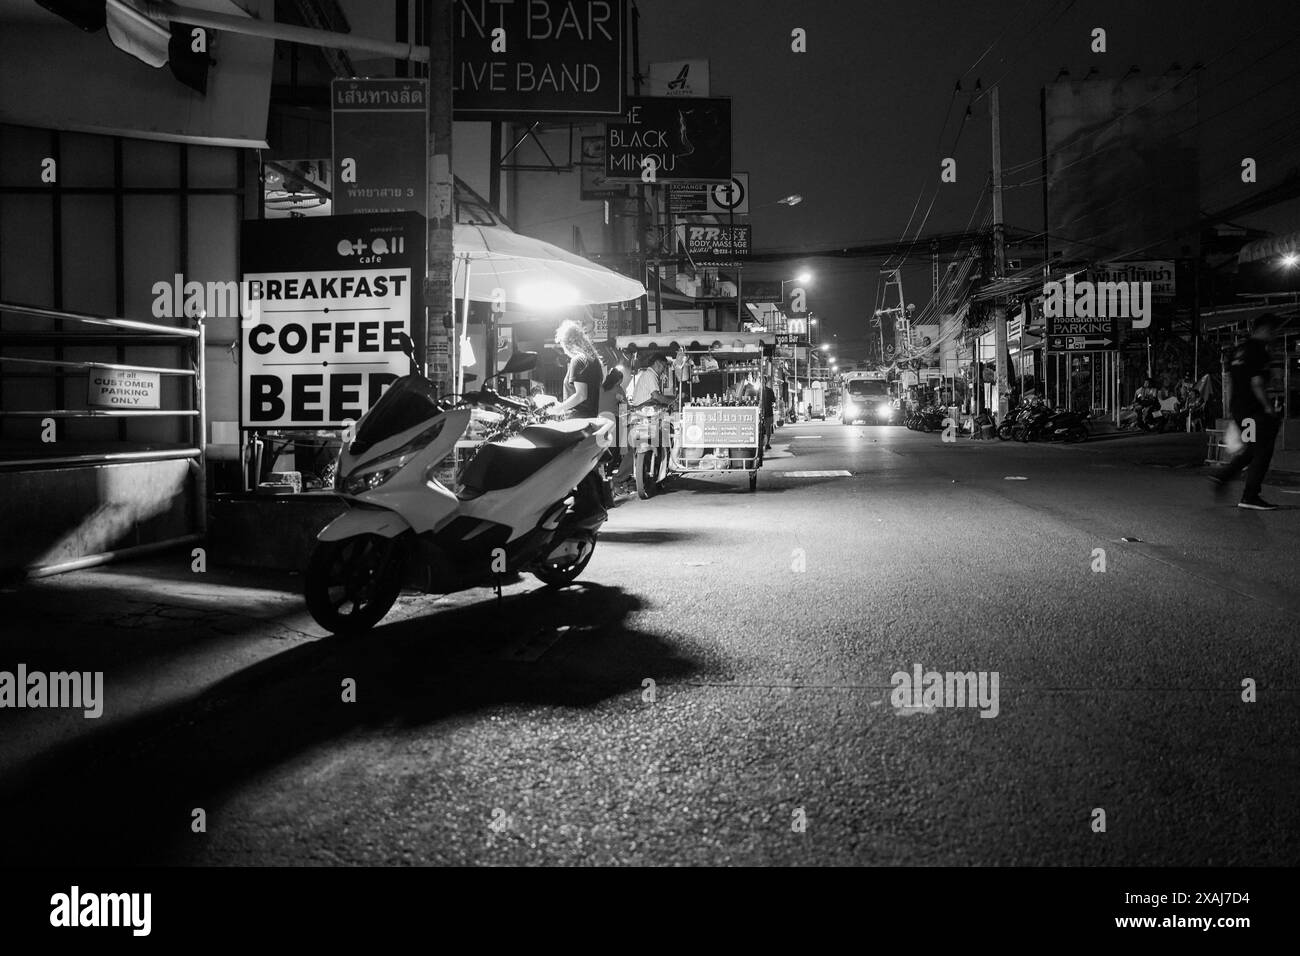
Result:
[
  {"x": 1159, "y": 272},
  {"x": 685, "y": 140},
  {"x": 114, "y": 388},
  {"x": 711, "y": 245},
  {"x": 720, "y": 427},
  {"x": 761, "y": 290},
  {"x": 380, "y": 145},
  {"x": 679, "y": 78},
  {"x": 524, "y": 58},
  {"x": 324, "y": 303}
]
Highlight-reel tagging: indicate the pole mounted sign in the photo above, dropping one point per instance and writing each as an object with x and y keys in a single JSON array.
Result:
[
  {"x": 710, "y": 199},
  {"x": 521, "y": 58},
  {"x": 716, "y": 245},
  {"x": 378, "y": 166},
  {"x": 324, "y": 303},
  {"x": 675, "y": 139}
]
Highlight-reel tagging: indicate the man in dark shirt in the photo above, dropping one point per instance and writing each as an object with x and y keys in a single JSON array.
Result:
[
  {"x": 1250, "y": 410},
  {"x": 769, "y": 404}
]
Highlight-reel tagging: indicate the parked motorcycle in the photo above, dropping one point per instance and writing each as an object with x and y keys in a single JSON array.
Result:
[
  {"x": 1067, "y": 426},
  {"x": 529, "y": 500},
  {"x": 1030, "y": 424}
]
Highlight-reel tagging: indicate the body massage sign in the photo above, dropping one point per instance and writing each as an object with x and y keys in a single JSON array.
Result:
[{"x": 324, "y": 303}]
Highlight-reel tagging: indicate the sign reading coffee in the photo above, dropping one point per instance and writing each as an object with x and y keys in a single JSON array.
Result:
[
  {"x": 531, "y": 57},
  {"x": 326, "y": 302},
  {"x": 677, "y": 138}
]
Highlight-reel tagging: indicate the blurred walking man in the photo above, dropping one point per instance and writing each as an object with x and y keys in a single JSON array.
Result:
[{"x": 1250, "y": 410}]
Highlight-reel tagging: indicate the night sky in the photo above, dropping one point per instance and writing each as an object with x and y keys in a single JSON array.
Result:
[{"x": 857, "y": 124}]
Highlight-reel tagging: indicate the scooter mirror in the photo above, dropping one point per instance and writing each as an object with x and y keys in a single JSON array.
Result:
[
  {"x": 406, "y": 345},
  {"x": 519, "y": 362}
]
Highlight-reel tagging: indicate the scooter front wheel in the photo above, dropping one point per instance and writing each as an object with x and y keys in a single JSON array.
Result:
[
  {"x": 644, "y": 473},
  {"x": 351, "y": 584}
]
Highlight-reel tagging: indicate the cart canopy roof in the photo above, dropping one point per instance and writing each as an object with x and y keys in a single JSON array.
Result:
[{"x": 720, "y": 344}]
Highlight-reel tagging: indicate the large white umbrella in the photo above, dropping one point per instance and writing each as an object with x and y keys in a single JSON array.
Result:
[
  {"x": 533, "y": 274},
  {"x": 495, "y": 263}
]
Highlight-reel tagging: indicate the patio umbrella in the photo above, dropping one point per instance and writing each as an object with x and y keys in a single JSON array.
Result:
[
  {"x": 493, "y": 261},
  {"x": 534, "y": 274}
]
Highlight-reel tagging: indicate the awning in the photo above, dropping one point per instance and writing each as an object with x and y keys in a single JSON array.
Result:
[{"x": 1272, "y": 248}]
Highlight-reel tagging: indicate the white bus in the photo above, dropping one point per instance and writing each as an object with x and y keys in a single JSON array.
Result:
[{"x": 865, "y": 397}]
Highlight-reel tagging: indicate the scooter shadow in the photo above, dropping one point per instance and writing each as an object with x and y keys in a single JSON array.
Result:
[{"x": 124, "y": 795}]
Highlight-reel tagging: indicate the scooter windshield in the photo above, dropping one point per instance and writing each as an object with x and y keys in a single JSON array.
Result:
[{"x": 408, "y": 401}]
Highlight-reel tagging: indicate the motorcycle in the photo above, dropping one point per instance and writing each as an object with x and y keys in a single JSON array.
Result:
[
  {"x": 529, "y": 500},
  {"x": 1066, "y": 426},
  {"x": 1029, "y": 426},
  {"x": 650, "y": 443}
]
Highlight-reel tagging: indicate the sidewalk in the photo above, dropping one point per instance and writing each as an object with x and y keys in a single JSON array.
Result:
[{"x": 1175, "y": 450}]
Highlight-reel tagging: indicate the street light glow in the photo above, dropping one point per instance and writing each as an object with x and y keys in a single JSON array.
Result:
[
  {"x": 804, "y": 277},
  {"x": 1290, "y": 260},
  {"x": 792, "y": 200},
  {"x": 826, "y": 346}
]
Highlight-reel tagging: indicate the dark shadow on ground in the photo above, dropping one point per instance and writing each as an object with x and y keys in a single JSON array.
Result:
[{"x": 124, "y": 795}]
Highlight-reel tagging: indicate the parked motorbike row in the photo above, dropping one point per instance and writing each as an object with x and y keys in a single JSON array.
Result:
[{"x": 1034, "y": 421}]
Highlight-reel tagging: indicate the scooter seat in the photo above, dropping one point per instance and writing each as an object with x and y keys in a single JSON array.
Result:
[
  {"x": 543, "y": 436},
  {"x": 505, "y": 464}
]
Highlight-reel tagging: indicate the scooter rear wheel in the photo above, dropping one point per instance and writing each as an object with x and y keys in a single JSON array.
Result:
[
  {"x": 645, "y": 473},
  {"x": 557, "y": 576},
  {"x": 351, "y": 584}
]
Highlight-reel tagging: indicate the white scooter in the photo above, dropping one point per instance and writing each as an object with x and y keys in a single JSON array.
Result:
[{"x": 530, "y": 500}]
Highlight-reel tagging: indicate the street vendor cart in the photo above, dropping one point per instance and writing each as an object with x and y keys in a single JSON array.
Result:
[{"x": 715, "y": 424}]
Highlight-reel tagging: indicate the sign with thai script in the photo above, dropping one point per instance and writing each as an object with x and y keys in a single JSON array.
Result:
[
  {"x": 380, "y": 145},
  {"x": 720, "y": 427}
]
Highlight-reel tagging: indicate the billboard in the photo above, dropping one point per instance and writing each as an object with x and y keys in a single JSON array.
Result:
[
  {"x": 522, "y": 58},
  {"x": 686, "y": 140},
  {"x": 1159, "y": 272},
  {"x": 1122, "y": 168},
  {"x": 713, "y": 245},
  {"x": 324, "y": 300},
  {"x": 710, "y": 199}
]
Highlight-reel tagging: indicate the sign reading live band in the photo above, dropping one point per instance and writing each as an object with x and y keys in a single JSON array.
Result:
[
  {"x": 324, "y": 301},
  {"x": 538, "y": 57}
]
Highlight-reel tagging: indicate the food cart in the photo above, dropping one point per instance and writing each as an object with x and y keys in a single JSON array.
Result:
[{"x": 715, "y": 422}]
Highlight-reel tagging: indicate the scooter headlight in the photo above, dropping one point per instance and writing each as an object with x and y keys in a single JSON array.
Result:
[{"x": 359, "y": 484}]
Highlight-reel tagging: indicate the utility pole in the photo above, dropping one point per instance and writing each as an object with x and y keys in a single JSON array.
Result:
[
  {"x": 640, "y": 189},
  {"x": 439, "y": 293},
  {"x": 999, "y": 259}
]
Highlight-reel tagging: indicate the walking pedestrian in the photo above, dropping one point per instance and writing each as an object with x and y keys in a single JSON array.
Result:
[{"x": 1251, "y": 413}]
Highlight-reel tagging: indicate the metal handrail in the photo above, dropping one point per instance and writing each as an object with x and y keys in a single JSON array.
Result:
[
  {"x": 102, "y": 413},
  {"x": 164, "y": 330},
  {"x": 68, "y": 363}
]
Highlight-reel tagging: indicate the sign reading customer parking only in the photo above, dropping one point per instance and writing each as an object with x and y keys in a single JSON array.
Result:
[{"x": 327, "y": 302}]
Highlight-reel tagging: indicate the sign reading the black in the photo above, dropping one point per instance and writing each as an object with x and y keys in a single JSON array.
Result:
[
  {"x": 538, "y": 57},
  {"x": 380, "y": 145},
  {"x": 710, "y": 245},
  {"x": 328, "y": 299},
  {"x": 678, "y": 138}
]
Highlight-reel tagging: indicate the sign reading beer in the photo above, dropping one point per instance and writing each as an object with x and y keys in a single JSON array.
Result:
[
  {"x": 710, "y": 245},
  {"x": 380, "y": 154},
  {"x": 325, "y": 304},
  {"x": 529, "y": 57},
  {"x": 676, "y": 138}
]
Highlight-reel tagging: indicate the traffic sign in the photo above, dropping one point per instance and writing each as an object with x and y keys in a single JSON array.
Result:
[
  {"x": 1079, "y": 343},
  {"x": 732, "y": 197}
]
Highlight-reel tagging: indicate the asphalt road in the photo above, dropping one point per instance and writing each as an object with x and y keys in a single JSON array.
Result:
[{"x": 526, "y": 731}]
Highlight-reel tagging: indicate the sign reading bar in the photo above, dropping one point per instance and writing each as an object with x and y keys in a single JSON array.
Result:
[
  {"x": 114, "y": 388},
  {"x": 710, "y": 245},
  {"x": 327, "y": 299},
  {"x": 683, "y": 140},
  {"x": 538, "y": 57},
  {"x": 380, "y": 157}
]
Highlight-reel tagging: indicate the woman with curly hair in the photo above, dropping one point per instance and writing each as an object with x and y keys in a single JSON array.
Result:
[{"x": 583, "y": 379}]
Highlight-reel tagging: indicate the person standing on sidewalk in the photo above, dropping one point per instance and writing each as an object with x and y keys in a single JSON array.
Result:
[{"x": 1250, "y": 410}]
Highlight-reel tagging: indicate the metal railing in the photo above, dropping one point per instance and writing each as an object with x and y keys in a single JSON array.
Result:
[{"x": 124, "y": 332}]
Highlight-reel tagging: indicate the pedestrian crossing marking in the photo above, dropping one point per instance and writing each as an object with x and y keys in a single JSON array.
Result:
[{"x": 838, "y": 473}]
